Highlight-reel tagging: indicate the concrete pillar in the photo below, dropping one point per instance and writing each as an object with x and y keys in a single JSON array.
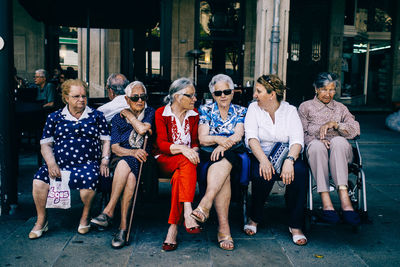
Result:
[
  {"x": 29, "y": 42},
  {"x": 265, "y": 11},
  {"x": 335, "y": 43},
  {"x": 104, "y": 58},
  {"x": 396, "y": 54},
  {"x": 8, "y": 153},
  {"x": 249, "y": 57},
  {"x": 182, "y": 38}
]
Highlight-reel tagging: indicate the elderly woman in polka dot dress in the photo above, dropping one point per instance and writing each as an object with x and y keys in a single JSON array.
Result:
[{"x": 76, "y": 139}]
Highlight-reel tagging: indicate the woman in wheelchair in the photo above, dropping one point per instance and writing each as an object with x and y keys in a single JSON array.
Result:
[
  {"x": 269, "y": 122},
  {"x": 127, "y": 137},
  {"x": 221, "y": 129},
  {"x": 327, "y": 124},
  {"x": 176, "y": 152}
]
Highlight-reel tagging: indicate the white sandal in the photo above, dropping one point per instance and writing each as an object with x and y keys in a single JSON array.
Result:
[
  {"x": 83, "y": 229},
  {"x": 297, "y": 238},
  {"x": 251, "y": 228},
  {"x": 38, "y": 233}
]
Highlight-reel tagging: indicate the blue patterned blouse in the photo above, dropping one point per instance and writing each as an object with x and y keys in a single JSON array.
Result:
[{"x": 210, "y": 115}]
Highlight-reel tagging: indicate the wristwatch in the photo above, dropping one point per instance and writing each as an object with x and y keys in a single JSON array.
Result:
[
  {"x": 106, "y": 157},
  {"x": 291, "y": 158}
]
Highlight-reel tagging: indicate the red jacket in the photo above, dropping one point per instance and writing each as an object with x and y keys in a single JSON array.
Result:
[{"x": 164, "y": 127}]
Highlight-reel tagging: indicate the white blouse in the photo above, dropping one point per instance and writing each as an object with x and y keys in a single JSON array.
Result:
[{"x": 286, "y": 129}]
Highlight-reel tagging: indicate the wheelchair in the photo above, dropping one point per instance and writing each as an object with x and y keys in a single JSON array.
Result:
[{"x": 356, "y": 188}]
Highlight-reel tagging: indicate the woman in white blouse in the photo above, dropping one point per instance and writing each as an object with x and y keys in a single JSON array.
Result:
[{"x": 270, "y": 120}]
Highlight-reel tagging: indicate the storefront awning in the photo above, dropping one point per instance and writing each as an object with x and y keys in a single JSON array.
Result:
[{"x": 115, "y": 14}]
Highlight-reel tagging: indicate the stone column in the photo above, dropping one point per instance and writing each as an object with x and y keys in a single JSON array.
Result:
[
  {"x": 265, "y": 14},
  {"x": 104, "y": 58},
  {"x": 335, "y": 45},
  {"x": 182, "y": 38}
]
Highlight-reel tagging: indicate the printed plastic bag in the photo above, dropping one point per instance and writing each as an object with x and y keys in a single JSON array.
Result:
[{"x": 59, "y": 196}]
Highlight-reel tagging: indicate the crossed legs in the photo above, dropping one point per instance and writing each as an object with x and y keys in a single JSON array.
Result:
[{"x": 218, "y": 192}]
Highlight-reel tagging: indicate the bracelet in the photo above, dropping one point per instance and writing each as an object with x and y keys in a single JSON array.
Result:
[
  {"x": 106, "y": 157},
  {"x": 291, "y": 158}
]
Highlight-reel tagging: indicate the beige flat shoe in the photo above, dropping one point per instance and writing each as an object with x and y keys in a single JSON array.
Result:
[
  {"x": 83, "y": 229},
  {"x": 38, "y": 233}
]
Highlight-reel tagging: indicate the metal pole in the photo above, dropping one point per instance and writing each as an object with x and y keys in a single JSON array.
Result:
[
  {"x": 8, "y": 152},
  {"x": 88, "y": 46},
  {"x": 366, "y": 73},
  {"x": 273, "y": 68}
]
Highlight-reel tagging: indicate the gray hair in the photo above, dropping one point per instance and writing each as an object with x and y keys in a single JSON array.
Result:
[
  {"x": 325, "y": 78},
  {"x": 175, "y": 87},
  {"x": 220, "y": 78},
  {"x": 117, "y": 82},
  {"x": 129, "y": 87},
  {"x": 41, "y": 72}
]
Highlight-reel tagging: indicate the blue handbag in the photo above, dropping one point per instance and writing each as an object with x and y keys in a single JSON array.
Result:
[{"x": 278, "y": 155}]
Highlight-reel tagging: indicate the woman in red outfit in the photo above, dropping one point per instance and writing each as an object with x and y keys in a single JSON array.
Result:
[{"x": 177, "y": 148}]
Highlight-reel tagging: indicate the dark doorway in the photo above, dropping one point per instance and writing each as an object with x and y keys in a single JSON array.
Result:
[
  {"x": 220, "y": 36},
  {"x": 308, "y": 46}
]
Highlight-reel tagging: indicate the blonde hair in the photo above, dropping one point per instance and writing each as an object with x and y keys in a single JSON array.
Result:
[{"x": 66, "y": 87}]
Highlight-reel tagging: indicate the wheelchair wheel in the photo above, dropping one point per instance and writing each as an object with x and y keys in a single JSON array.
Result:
[{"x": 353, "y": 194}]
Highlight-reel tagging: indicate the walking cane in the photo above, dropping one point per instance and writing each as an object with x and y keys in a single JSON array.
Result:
[{"x": 136, "y": 191}]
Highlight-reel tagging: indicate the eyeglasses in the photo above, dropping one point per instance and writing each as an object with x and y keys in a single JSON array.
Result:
[
  {"x": 37, "y": 77},
  {"x": 226, "y": 92},
  {"x": 324, "y": 90},
  {"x": 135, "y": 98},
  {"x": 76, "y": 97},
  {"x": 192, "y": 96}
]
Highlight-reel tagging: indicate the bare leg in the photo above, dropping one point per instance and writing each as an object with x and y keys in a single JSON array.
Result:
[
  {"x": 187, "y": 210},
  {"x": 221, "y": 203},
  {"x": 39, "y": 191},
  {"x": 121, "y": 174},
  {"x": 217, "y": 175},
  {"x": 127, "y": 200},
  {"x": 326, "y": 201},
  {"x": 87, "y": 196},
  {"x": 172, "y": 233},
  {"x": 345, "y": 199}
]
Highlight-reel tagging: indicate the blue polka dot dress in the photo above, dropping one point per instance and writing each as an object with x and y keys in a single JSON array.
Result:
[
  {"x": 76, "y": 146},
  {"x": 121, "y": 131}
]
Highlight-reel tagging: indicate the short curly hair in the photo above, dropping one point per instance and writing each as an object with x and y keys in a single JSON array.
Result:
[{"x": 66, "y": 87}]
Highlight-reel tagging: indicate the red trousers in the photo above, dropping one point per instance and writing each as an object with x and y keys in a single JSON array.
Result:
[{"x": 184, "y": 177}]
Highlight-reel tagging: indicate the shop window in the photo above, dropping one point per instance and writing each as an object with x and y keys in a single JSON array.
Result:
[
  {"x": 220, "y": 38},
  {"x": 68, "y": 40},
  {"x": 153, "y": 55},
  {"x": 295, "y": 46}
]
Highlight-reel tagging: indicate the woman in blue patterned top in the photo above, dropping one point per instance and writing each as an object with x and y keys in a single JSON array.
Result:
[
  {"x": 221, "y": 128},
  {"x": 76, "y": 139}
]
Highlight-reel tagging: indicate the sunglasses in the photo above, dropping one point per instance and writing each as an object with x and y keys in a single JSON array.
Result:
[
  {"x": 135, "y": 98},
  {"x": 226, "y": 92},
  {"x": 191, "y": 96}
]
